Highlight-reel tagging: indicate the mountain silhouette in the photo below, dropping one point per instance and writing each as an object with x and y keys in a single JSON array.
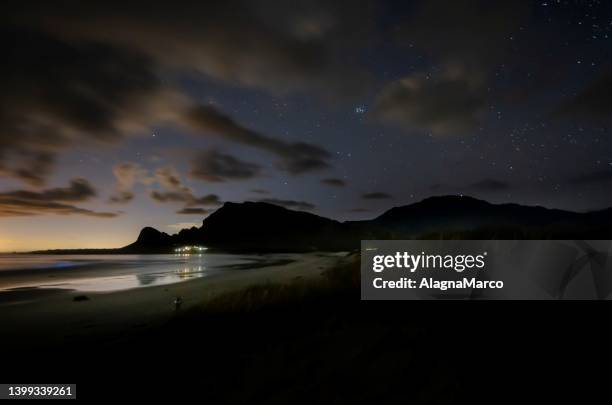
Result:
[
  {"x": 253, "y": 226},
  {"x": 264, "y": 227},
  {"x": 152, "y": 239},
  {"x": 462, "y": 213}
]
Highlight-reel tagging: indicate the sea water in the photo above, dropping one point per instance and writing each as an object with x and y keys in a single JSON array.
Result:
[{"x": 119, "y": 272}]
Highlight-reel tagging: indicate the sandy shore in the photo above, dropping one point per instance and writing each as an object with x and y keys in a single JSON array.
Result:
[{"x": 52, "y": 318}]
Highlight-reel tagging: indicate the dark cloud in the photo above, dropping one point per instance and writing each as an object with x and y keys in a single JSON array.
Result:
[
  {"x": 214, "y": 166},
  {"x": 193, "y": 211},
  {"x": 30, "y": 166},
  {"x": 283, "y": 46},
  {"x": 298, "y": 205},
  {"x": 57, "y": 94},
  {"x": 169, "y": 179},
  {"x": 334, "y": 182},
  {"x": 50, "y": 201},
  {"x": 210, "y": 199},
  {"x": 451, "y": 104},
  {"x": 596, "y": 177},
  {"x": 78, "y": 190},
  {"x": 489, "y": 185},
  {"x": 356, "y": 210},
  {"x": 67, "y": 80},
  {"x": 171, "y": 196},
  {"x": 259, "y": 191},
  {"x": 295, "y": 157},
  {"x": 594, "y": 101},
  {"x": 376, "y": 196},
  {"x": 121, "y": 197},
  {"x": 473, "y": 34},
  {"x": 185, "y": 197},
  {"x": 465, "y": 39}
]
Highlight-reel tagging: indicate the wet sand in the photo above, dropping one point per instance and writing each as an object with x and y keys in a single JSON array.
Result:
[{"x": 52, "y": 318}]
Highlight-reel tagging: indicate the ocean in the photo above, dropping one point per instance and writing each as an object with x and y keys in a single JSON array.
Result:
[{"x": 99, "y": 273}]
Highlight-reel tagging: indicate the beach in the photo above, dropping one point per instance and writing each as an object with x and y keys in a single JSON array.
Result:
[
  {"x": 284, "y": 333},
  {"x": 60, "y": 318}
]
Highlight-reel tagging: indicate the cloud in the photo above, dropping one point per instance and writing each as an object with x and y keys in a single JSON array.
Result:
[
  {"x": 214, "y": 166},
  {"x": 172, "y": 189},
  {"x": 295, "y": 157},
  {"x": 31, "y": 166},
  {"x": 594, "y": 101},
  {"x": 465, "y": 40},
  {"x": 78, "y": 190},
  {"x": 595, "y": 177},
  {"x": 193, "y": 211},
  {"x": 50, "y": 201},
  {"x": 284, "y": 47},
  {"x": 185, "y": 197},
  {"x": 376, "y": 196},
  {"x": 470, "y": 33},
  {"x": 259, "y": 191},
  {"x": 444, "y": 105},
  {"x": 121, "y": 197},
  {"x": 489, "y": 185},
  {"x": 57, "y": 94},
  {"x": 298, "y": 205},
  {"x": 170, "y": 196},
  {"x": 209, "y": 199},
  {"x": 169, "y": 179},
  {"x": 334, "y": 182},
  {"x": 127, "y": 175},
  {"x": 175, "y": 191},
  {"x": 95, "y": 89}
]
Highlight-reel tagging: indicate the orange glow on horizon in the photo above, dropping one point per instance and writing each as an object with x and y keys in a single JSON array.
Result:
[{"x": 9, "y": 246}]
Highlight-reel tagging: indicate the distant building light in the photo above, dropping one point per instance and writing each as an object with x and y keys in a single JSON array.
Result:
[{"x": 190, "y": 249}]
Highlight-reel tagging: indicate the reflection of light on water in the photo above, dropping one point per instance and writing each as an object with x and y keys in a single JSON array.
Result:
[
  {"x": 112, "y": 273},
  {"x": 125, "y": 282},
  {"x": 104, "y": 284},
  {"x": 137, "y": 280},
  {"x": 189, "y": 272}
]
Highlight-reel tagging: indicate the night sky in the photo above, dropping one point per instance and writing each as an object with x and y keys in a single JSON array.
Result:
[{"x": 119, "y": 115}]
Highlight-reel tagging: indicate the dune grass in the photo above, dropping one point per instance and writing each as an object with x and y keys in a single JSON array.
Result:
[{"x": 342, "y": 280}]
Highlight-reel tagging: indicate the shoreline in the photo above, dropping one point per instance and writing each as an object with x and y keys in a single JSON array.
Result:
[{"x": 54, "y": 319}]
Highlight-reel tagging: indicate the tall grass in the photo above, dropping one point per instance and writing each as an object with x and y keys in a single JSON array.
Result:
[{"x": 342, "y": 279}]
